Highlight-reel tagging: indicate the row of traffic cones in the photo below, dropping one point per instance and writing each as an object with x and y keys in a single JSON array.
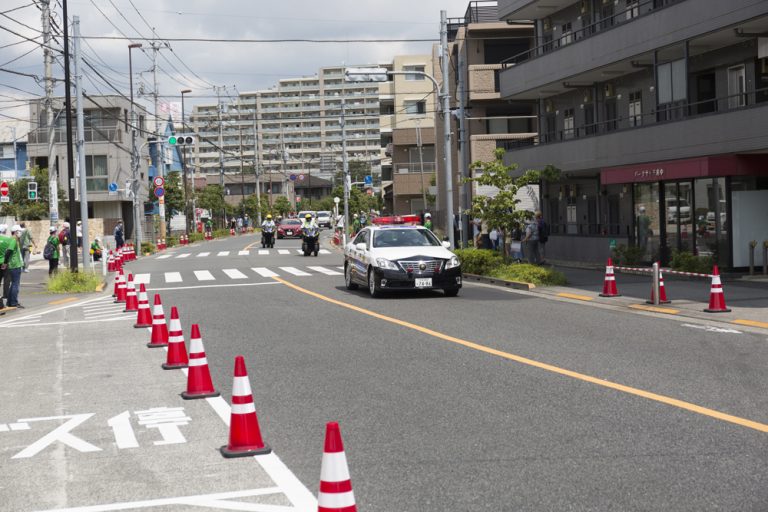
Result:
[
  {"x": 183, "y": 240},
  {"x": 161, "y": 244},
  {"x": 335, "y": 491},
  {"x": 716, "y": 295}
]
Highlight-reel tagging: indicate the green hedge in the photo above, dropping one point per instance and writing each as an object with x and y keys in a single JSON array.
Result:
[
  {"x": 479, "y": 261},
  {"x": 147, "y": 247},
  {"x": 688, "y": 262},
  {"x": 486, "y": 262}
]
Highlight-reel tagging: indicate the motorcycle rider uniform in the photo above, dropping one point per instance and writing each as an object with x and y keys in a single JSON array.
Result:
[{"x": 268, "y": 226}]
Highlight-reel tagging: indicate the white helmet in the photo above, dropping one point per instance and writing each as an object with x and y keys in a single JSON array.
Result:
[
  {"x": 427, "y": 215},
  {"x": 15, "y": 228},
  {"x": 3, "y": 228}
]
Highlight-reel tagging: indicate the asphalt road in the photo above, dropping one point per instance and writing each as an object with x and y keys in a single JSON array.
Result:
[{"x": 493, "y": 400}]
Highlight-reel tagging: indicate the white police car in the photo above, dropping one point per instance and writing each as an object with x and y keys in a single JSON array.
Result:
[{"x": 400, "y": 258}]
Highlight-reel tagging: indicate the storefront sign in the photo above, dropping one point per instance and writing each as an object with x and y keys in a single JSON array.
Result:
[
  {"x": 702, "y": 167},
  {"x": 642, "y": 174}
]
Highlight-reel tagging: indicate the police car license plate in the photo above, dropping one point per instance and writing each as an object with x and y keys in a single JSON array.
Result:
[{"x": 425, "y": 282}]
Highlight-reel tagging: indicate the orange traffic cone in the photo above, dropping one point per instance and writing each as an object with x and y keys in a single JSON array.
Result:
[
  {"x": 199, "y": 384},
  {"x": 131, "y": 302},
  {"x": 662, "y": 291},
  {"x": 244, "y": 433},
  {"x": 177, "y": 351},
  {"x": 716, "y": 295},
  {"x": 117, "y": 282},
  {"x": 121, "y": 288},
  {"x": 159, "y": 327},
  {"x": 335, "y": 494},
  {"x": 144, "y": 317},
  {"x": 609, "y": 285},
  {"x": 111, "y": 262}
]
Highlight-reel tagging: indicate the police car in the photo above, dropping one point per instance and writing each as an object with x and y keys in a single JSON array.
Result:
[{"x": 400, "y": 257}]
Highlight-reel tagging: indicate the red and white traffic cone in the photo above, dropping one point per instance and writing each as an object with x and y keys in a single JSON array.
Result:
[
  {"x": 144, "y": 316},
  {"x": 335, "y": 494},
  {"x": 111, "y": 262},
  {"x": 159, "y": 327},
  {"x": 131, "y": 302},
  {"x": 244, "y": 433},
  {"x": 662, "y": 291},
  {"x": 177, "y": 351},
  {"x": 121, "y": 288},
  {"x": 199, "y": 384},
  {"x": 716, "y": 295},
  {"x": 118, "y": 260},
  {"x": 117, "y": 282},
  {"x": 609, "y": 285},
  {"x": 129, "y": 253}
]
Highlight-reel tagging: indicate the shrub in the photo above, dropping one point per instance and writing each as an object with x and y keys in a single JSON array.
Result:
[
  {"x": 196, "y": 237},
  {"x": 65, "y": 281},
  {"x": 478, "y": 261},
  {"x": 627, "y": 255},
  {"x": 527, "y": 273},
  {"x": 147, "y": 247},
  {"x": 689, "y": 262},
  {"x": 220, "y": 233},
  {"x": 172, "y": 241}
]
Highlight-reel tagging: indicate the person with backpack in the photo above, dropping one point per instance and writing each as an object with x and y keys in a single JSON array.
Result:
[{"x": 51, "y": 251}]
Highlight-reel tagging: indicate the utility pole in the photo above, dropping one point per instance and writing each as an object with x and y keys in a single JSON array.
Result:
[
  {"x": 81, "y": 142},
  {"x": 464, "y": 195},
  {"x": 53, "y": 180},
  {"x": 221, "y": 152},
  {"x": 70, "y": 156},
  {"x": 184, "y": 169},
  {"x": 345, "y": 169},
  {"x": 445, "y": 67},
  {"x": 421, "y": 164},
  {"x": 159, "y": 146},
  {"x": 134, "y": 154},
  {"x": 256, "y": 162}
]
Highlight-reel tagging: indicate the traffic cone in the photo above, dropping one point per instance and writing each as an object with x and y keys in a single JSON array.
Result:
[
  {"x": 131, "y": 302},
  {"x": 199, "y": 383},
  {"x": 144, "y": 317},
  {"x": 244, "y": 434},
  {"x": 177, "y": 351},
  {"x": 335, "y": 493},
  {"x": 121, "y": 288},
  {"x": 111, "y": 262},
  {"x": 117, "y": 282},
  {"x": 159, "y": 328},
  {"x": 609, "y": 285},
  {"x": 129, "y": 253},
  {"x": 716, "y": 295},
  {"x": 662, "y": 291}
]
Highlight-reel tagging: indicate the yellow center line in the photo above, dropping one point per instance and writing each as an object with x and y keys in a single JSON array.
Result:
[
  {"x": 753, "y": 323},
  {"x": 543, "y": 366},
  {"x": 63, "y": 301}
]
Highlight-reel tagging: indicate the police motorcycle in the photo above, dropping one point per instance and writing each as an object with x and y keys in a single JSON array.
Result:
[
  {"x": 268, "y": 236},
  {"x": 311, "y": 240}
]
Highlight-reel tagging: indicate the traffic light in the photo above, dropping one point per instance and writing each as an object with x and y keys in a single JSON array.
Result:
[
  {"x": 181, "y": 140},
  {"x": 32, "y": 191}
]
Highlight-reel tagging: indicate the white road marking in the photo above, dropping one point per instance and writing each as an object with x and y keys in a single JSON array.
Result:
[
  {"x": 325, "y": 251},
  {"x": 203, "y": 254},
  {"x": 174, "y": 288},
  {"x": 185, "y": 255},
  {"x": 712, "y": 328},
  {"x": 204, "y": 275},
  {"x": 341, "y": 267},
  {"x": 164, "y": 256},
  {"x": 233, "y": 273},
  {"x": 173, "y": 277},
  {"x": 325, "y": 271},
  {"x": 141, "y": 278},
  {"x": 243, "y": 253},
  {"x": 223, "y": 253},
  {"x": 264, "y": 272},
  {"x": 283, "y": 251},
  {"x": 61, "y": 434},
  {"x": 295, "y": 271},
  {"x": 125, "y": 437},
  {"x": 262, "y": 252},
  {"x": 97, "y": 320},
  {"x": 299, "y": 251}
]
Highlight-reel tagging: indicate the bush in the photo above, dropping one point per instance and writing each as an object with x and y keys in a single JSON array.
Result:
[
  {"x": 478, "y": 261},
  {"x": 627, "y": 255},
  {"x": 171, "y": 241},
  {"x": 527, "y": 273},
  {"x": 196, "y": 237},
  {"x": 147, "y": 247},
  {"x": 73, "y": 282},
  {"x": 689, "y": 262},
  {"x": 220, "y": 233}
]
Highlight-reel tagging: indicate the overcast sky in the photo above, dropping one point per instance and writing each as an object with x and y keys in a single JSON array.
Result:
[{"x": 239, "y": 66}]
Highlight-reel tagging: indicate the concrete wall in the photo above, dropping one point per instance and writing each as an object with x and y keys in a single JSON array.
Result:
[{"x": 39, "y": 230}]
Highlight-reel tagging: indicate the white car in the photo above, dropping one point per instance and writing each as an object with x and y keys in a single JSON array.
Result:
[
  {"x": 400, "y": 258},
  {"x": 324, "y": 219}
]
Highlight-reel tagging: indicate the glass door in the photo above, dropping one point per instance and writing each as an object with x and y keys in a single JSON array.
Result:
[{"x": 648, "y": 220}]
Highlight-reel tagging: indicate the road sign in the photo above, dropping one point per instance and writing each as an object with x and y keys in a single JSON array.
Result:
[
  {"x": 612, "y": 244},
  {"x": 4, "y": 189},
  {"x": 159, "y": 192},
  {"x": 112, "y": 187},
  {"x": 298, "y": 199},
  {"x": 292, "y": 177},
  {"x": 368, "y": 180},
  {"x": 301, "y": 177},
  {"x": 158, "y": 181},
  {"x": 336, "y": 200}
]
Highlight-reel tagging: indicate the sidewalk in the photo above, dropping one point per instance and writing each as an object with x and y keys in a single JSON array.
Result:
[{"x": 747, "y": 298}]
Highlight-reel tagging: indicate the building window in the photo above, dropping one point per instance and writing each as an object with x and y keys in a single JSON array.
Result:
[
  {"x": 635, "y": 108},
  {"x": 415, "y": 108},
  {"x": 672, "y": 82},
  {"x": 567, "y": 34},
  {"x": 568, "y": 116},
  {"x": 96, "y": 173},
  {"x": 633, "y": 9},
  {"x": 418, "y": 75}
]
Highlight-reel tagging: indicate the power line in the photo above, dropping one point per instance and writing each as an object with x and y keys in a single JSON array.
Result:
[{"x": 212, "y": 40}]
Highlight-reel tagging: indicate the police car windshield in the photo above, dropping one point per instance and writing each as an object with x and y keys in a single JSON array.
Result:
[{"x": 404, "y": 238}]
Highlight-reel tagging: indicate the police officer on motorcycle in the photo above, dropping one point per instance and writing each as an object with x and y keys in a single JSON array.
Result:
[
  {"x": 268, "y": 232},
  {"x": 310, "y": 230}
]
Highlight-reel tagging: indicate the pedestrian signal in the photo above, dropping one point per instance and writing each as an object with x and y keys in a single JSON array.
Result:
[{"x": 32, "y": 191}]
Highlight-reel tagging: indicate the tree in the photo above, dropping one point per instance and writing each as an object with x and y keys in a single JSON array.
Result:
[
  {"x": 174, "y": 195},
  {"x": 212, "y": 198},
  {"x": 282, "y": 205},
  {"x": 358, "y": 170},
  {"x": 500, "y": 211},
  {"x": 24, "y": 209}
]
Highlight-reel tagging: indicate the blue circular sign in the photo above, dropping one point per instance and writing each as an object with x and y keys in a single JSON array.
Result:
[
  {"x": 112, "y": 187},
  {"x": 159, "y": 192},
  {"x": 292, "y": 177}
]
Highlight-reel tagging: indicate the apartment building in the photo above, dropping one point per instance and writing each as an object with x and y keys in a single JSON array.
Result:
[
  {"x": 654, "y": 110},
  {"x": 478, "y": 42},
  {"x": 107, "y": 148}
]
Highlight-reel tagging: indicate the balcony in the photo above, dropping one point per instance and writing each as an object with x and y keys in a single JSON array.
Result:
[
  {"x": 675, "y": 132},
  {"x": 621, "y": 37},
  {"x": 484, "y": 82},
  {"x": 40, "y": 136},
  {"x": 409, "y": 183}
]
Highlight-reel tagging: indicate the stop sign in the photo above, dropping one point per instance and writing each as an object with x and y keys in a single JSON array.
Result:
[{"x": 4, "y": 188}]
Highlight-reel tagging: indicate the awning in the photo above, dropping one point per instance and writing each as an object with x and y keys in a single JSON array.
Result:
[{"x": 701, "y": 167}]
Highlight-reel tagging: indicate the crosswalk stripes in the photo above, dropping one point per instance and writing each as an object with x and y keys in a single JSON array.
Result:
[
  {"x": 233, "y": 273},
  {"x": 203, "y": 254},
  {"x": 299, "y": 251},
  {"x": 184, "y": 255},
  {"x": 325, "y": 251},
  {"x": 264, "y": 272},
  {"x": 204, "y": 275},
  {"x": 283, "y": 251},
  {"x": 223, "y": 253},
  {"x": 141, "y": 278},
  {"x": 263, "y": 252},
  {"x": 173, "y": 277},
  {"x": 243, "y": 253},
  {"x": 295, "y": 271},
  {"x": 325, "y": 271},
  {"x": 164, "y": 256}
]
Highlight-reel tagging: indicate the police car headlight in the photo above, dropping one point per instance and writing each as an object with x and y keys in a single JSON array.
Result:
[
  {"x": 452, "y": 263},
  {"x": 385, "y": 263}
]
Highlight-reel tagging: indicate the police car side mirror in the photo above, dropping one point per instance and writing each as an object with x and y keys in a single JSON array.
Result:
[
  {"x": 360, "y": 246},
  {"x": 446, "y": 244}
]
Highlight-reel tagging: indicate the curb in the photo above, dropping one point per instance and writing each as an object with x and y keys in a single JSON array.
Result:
[{"x": 517, "y": 285}]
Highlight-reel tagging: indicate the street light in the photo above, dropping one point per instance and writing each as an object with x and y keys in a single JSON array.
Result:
[
  {"x": 184, "y": 165},
  {"x": 134, "y": 155}
]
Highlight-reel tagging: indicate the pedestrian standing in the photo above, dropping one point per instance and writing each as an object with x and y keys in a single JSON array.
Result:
[
  {"x": 64, "y": 244},
  {"x": 79, "y": 232},
  {"x": 493, "y": 235},
  {"x": 14, "y": 265},
  {"x": 52, "y": 248},
  {"x": 119, "y": 235},
  {"x": 428, "y": 221},
  {"x": 27, "y": 244},
  {"x": 531, "y": 241},
  {"x": 5, "y": 277}
]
